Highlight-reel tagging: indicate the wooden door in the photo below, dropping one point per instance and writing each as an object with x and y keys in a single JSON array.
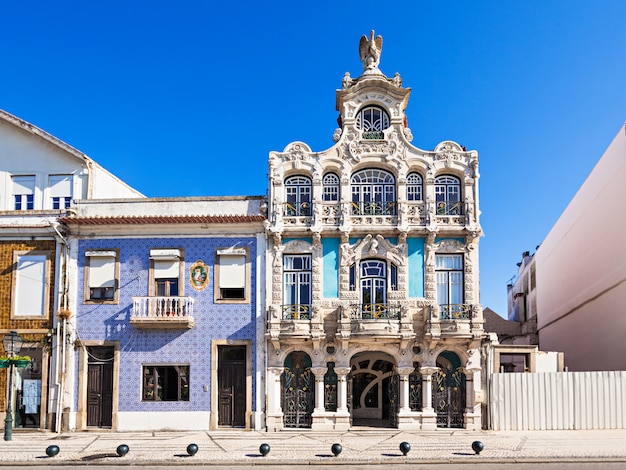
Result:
[
  {"x": 100, "y": 387},
  {"x": 231, "y": 383}
]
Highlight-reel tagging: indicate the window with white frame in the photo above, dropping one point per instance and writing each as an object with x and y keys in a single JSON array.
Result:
[
  {"x": 231, "y": 275},
  {"x": 449, "y": 276},
  {"x": 297, "y": 277},
  {"x": 448, "y": 195},
  {"x": 414, "y": 187},
  {"x": 298, "y": 196},
  {"x": 31, "y": 284},
  {"x": 23, "y": 192},
  {"x": 101, "y": 268},
  {"x": 373, "y": 192},
  {"x": 60, "y": 187},
  {"x": 165, "y": 383},
  {"x": 330, "y": 187},
  {"x": 372, "y": 120}
]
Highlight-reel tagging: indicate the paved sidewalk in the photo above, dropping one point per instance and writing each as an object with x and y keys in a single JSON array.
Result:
[{"x": 359, "y": 446}]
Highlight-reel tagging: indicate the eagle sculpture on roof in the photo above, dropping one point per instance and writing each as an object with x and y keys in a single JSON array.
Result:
[{"x": 369, "y": 50}]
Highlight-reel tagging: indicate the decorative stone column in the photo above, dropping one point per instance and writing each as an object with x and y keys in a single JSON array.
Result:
[
  {"x": 274, "y": 410},
  {"x": 406, "y": 420},
  {"x": 342, "y": 416},
  {"x": 319, "y": 388},
  {"x": 473, "y": 399},
  {"x": 429, "y": 416}
]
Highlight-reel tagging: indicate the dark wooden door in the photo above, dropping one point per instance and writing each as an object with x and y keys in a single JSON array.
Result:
[
  {"x": 231, "y": 383},
  {"x": 100, "y": 387}
]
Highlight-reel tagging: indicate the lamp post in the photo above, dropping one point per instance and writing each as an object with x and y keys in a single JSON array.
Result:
[{"x": 12, "y": 343}]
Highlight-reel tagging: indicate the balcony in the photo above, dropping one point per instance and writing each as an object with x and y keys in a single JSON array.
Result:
[
  {"x": 297, "y": 213},
  {"x": 453, "y": 321},
  {"x": 296, "y": 312},
  {"x": 374, "y": 312},
  {"x": 450, "y": 212},
  {"x": 162, "y": 312},
  {"x": 294, "y": 322},
  {"x": 373, "y": 212},
  {"x": 455, "y": 312},
  {"x": 380, "y": 320}
]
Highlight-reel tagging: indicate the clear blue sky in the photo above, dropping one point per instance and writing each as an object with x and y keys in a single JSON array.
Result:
[{"x": 187, "y": 98}]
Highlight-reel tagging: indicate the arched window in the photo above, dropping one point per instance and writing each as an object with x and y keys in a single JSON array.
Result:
[
  {"x": 448, "y": 195},
  {"x": 298, "y": 196},
  {"x": 330, "y": 185},
  {"x": 372, "y": 120},
  {"x": 414, "y": 187},
  {"x": 373, "y": 192},
  {"x": 373, "y": 282}
]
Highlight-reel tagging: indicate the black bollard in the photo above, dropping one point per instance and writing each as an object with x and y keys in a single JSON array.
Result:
[
  {"x": 52, "y": 450},
  {"x": 264, "y": 449},
  {"x": 336, "y": 449},
  {"x": 405, "y": 447},
  {"x": 192, "y": 449},
  {"x": 477, "y": 447},
  {"x": 122, "y": 450}
]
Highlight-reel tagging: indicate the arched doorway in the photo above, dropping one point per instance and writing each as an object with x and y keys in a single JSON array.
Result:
[
  {"x": 374, "y": 390},
  {"x": 298, "y": 389},
  {"x": 449, "y": 391}
]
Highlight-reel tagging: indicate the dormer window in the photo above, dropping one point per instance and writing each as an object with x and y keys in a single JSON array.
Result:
[{"x": 372, "y": 120}]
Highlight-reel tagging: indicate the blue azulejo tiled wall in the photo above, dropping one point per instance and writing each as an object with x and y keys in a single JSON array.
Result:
[{"x": 184, "y": 346}]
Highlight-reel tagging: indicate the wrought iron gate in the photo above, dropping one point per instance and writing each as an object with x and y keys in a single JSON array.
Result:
[
  {"x": 297, "y": 398},
  {"x": 449, "y": 397}
]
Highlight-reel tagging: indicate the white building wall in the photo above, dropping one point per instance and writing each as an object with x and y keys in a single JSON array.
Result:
[{"x": 581, "y": 271}]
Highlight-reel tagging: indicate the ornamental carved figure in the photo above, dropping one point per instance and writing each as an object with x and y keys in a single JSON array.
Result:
[{"x": 369, "y": 51}]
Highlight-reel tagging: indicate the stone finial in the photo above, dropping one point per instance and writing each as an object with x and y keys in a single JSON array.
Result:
[{"x": 369, "y": 51}]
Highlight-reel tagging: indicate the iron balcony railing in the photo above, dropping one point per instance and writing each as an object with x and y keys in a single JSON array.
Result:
[
  {"x": 296, "y": 312},
  {"x": 379, "y": 311},
  {"x": 449, "y": 208},
  {"x": 455, "y": 311},
  {"x": 162, "y": 307},
  {"x": 374, "y": 208},
  {"x": 297, "y": 209}
]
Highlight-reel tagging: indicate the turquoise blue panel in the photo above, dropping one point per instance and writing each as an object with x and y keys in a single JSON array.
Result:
[
  {"x": 415, "y": 249},
  {"x": 330, "y": 268}
]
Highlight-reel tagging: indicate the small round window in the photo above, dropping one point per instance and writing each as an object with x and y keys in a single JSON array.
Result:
[{"x": 372, "y": 120}]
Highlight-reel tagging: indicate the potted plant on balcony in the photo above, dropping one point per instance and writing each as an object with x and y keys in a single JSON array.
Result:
[{"x": 20, "y": 361}]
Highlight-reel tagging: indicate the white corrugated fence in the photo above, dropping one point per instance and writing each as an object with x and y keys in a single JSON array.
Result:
[{"x": 558, "y": 400}]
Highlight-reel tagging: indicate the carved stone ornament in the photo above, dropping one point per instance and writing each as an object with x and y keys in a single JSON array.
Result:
[
  {"x": 360, "y": 149},
  {"x": 296, "y": 152},
  {"x": 449, "y": 152},
  {"x": 449, "y": 246},
  {"x": 369, "y": 51}
]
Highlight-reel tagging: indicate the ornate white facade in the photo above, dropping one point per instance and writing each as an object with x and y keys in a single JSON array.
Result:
[{"x": 373, "y": 290}]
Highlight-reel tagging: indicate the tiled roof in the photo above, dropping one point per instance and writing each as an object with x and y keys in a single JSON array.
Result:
[{"x": 163, "y": 219}]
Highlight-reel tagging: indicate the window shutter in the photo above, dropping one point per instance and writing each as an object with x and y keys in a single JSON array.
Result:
[
  {"x": 61, "y": 186},
  {"x": 166, "y": 269},
  {"x": 232, "y": 271},
  {"x": 30, "y": 285},
  {"x": 23, "y": 185},
  {"x": 101, "y": 269}
]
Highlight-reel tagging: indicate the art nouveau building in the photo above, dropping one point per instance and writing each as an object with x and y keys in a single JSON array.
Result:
[{"x": 373, "y": 292}]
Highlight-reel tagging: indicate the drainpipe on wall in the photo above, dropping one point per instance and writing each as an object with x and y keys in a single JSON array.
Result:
[{"x": 59, "y": 382}]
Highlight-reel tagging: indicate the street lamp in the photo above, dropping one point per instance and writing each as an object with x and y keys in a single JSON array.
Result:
[{"x": 12, "y": 343}]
